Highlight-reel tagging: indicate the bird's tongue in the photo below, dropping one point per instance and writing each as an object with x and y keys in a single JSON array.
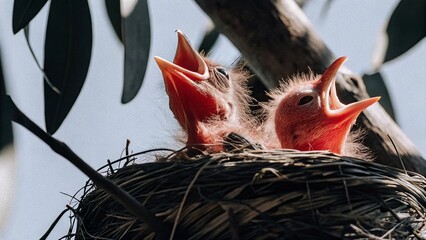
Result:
[{"x": 334, "y": 109}]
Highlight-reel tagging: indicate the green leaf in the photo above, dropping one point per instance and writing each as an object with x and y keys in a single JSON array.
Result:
[
  {"x": 376, "y": 87},
  {"x": 137, "y": 41},
  {"x": 67, "y": 53},
  {"x": 113, "y": 10},
  {"x": 6, "y": 135},
  {"x": 209, "y": 40},
  {"x": 24, "y": 11},
  {"x": 406, "y": 27}
]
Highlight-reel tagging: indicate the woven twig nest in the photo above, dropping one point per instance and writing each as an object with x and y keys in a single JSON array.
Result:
[{"x": 259, "y": 194}]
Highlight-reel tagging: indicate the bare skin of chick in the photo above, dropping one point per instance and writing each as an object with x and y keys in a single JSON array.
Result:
[{"x": 306, "y": 114}]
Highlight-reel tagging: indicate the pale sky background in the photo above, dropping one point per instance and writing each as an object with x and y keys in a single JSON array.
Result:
[{"x": 98, "y": 125}]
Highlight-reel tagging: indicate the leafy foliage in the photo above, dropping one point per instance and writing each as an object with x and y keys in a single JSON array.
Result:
[
  {"x": 67, "y": 56},
  {"x": 376, "y": 86},
  {"x": 406, "y": 27},
  {"x": 27, "y": 38},
  {"x": 137, "y": 42},
  {"x": 114, "y": 15},
  {"x": 24, "y": 11},
  {"x": 69, "y": 42},
  {"x": 68, "y": 49}
]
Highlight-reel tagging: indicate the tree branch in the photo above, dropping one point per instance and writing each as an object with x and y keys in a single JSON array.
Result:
[
  {"x": 130, "y": 203},
  {"x": 277, "y": 40}
]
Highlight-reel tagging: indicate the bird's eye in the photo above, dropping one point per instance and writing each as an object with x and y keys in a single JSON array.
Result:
[
  {"x": 223, "y": 72},
  {"x": 305, "y": 100}
]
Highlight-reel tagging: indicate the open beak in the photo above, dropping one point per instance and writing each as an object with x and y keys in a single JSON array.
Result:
[
  {"x": 188, "y": 66},
  {"x": 333, "y": 108},
  {"x": 183, "y": 81}
]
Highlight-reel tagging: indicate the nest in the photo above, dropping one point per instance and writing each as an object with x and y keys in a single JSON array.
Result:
[{"x": 260, "y": 194}]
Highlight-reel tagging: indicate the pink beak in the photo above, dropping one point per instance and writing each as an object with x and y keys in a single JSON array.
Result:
[
  {"x": 188, "y": 65},
  {"x": 189, "y": 100},
  {"x": 334, "y": 109}
]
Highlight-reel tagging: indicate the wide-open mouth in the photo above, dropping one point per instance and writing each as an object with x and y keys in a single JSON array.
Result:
[
  {"x": 187, "y": 58},
  {"x": 184, "y": 78},
  {"x": 187, "y": 64},
  {"x": 334, "y": 109}
]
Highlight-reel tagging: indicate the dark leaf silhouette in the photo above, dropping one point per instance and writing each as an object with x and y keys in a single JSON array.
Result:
[
  {"x": 24, "y": 11},
  {"x": 376, "y": 87},
  {"x": 6, "y": 135},
  {"x": 27, "y": 38},
  {"x": 209, "y": 40},
  {"x": 137, "y": 41},
  {"x": 406, "y": 27},
  {"x": 67, "y": 57},
  {"x": 113, "y": 10}
]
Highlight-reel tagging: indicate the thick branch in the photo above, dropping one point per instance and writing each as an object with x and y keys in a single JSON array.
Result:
[
  {"x": 277, "y": 40},
  {"x": 130, "y": 203}
]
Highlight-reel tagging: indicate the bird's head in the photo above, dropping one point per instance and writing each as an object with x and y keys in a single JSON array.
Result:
[
  {"x": 199, "y": 90},
  {"x": 308, "y": 115}
]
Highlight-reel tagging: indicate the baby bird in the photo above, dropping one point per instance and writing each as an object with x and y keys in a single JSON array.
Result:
[
  {"x": 207, "y": 101},
  {"x": 306, "y": 114}
]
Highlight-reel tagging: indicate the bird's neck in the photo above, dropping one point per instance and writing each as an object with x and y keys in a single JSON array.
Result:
[
  {"x": 332, "y": 140},
  {"x": 202, "y": 137}
]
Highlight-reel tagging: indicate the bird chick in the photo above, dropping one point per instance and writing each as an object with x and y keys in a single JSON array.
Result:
[
  {"x": 306, "y": 114},
  {"x": 207, "y": 100}
]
